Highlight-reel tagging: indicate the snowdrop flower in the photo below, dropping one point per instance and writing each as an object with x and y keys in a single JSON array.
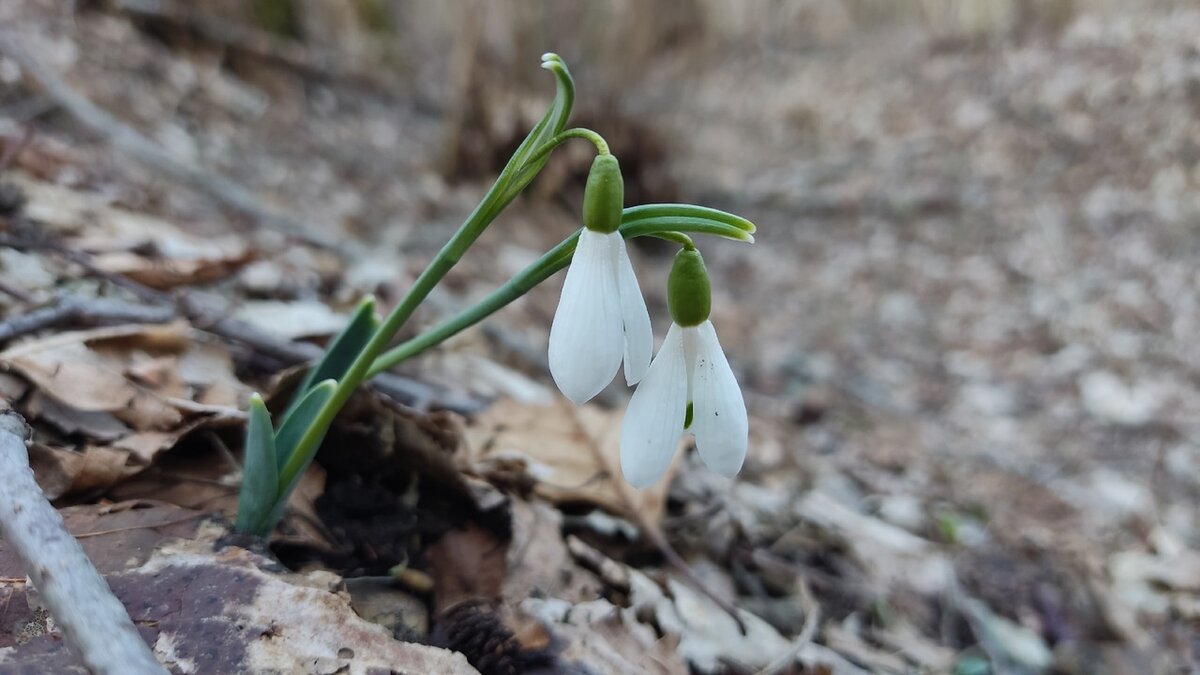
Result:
[
  {"x": 689, "y": 386},
  {"x": 601, "y": 317}
]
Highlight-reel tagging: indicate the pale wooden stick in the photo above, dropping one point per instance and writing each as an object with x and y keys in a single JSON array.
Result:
[{"x": 93, "y": 622}]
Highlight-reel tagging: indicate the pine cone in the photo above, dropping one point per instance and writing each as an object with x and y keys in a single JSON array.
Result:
[{"x": 479, "y": 633}]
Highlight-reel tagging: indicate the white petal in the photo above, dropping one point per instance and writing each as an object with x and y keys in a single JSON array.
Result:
[
  {"x": 718, "y": 411},
  {"x": 654, "y": 421},
  {"x": 639, "y": 337},
  {"x": 586, "y": 338}
]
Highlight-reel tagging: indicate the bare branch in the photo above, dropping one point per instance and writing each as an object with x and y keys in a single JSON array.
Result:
[
  {"x": 93, "y": 622},
  {"x": 90, "y": 312}
]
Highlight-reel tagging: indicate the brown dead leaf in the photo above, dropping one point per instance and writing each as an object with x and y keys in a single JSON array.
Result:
[
  {"x": 208, "y": 479},
  {"x": 121, "y": 395},
  {"x": 64, "y": 471},
  {"x": 94, "y": 424},
  {"x": 66, "y": 367},
  {"x": 573, "y": 454},
  {"x": 150, "y": 250},
  {"x": 539, "y": 563},
  {"x": 165, "y": 273},
  {"x": 468, "y": 564},
  {"x": 60, "y": 471}
]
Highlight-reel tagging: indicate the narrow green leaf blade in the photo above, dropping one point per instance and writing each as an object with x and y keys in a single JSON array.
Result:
[
  {"x": 646, "y": 211},
  {"x": 653, "y": 226},
  {"x": 341, "y": 352},
  {"x": 291, "y": 430},
  {"x": 296, "y": 422},
  {"x": 260, "y": 472}
]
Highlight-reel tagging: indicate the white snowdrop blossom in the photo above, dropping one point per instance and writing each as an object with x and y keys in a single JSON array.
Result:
[
  {"x": 690, "y": 369},
  {"x": 601, "y": 318}
]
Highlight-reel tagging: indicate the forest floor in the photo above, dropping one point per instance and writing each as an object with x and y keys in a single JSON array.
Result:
[{"x": 967, "y": 335}]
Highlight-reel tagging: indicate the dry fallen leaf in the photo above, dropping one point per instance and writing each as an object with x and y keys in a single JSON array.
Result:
[
  {"x": 539, "y": 563},
  {"x": 572, "y": 454},
  {"x": 291, "y": 320},
  {"x": 145, "y": 248},
  {"x": 121, "y": 395}
]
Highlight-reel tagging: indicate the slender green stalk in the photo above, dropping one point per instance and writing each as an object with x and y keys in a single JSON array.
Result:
[
  {"x": 554, "y": 260},
  {"x": 541, "y": 269},
  {"x": 577, "y": 132},
  {"x": 424, "y": 284}
]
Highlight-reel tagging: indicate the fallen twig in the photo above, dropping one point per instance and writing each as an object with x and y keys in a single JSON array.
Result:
[
  {"x": 89, "y": 312},
  {"x": 812, "y": 618},
  {"x": 93, "y": 622},
  {"x": 129, "y": 140},
  {"x": 16, "y": 292}
]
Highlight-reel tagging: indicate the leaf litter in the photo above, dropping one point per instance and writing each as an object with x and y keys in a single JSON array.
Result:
[{"x": 985, "y": 458}]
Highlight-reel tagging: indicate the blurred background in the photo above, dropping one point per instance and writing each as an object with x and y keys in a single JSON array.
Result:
[{"x": 967, "y": 332}]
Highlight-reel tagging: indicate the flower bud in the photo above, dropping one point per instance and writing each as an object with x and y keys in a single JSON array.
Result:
[
  {"x": 689, "y": 292},
  {"x": 604, "y": 196}
]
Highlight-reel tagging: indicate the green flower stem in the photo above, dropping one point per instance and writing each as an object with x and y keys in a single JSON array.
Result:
[
  {"x": 543, "y": 268},
  {"x": 576, "y": 132},
  {"x": 446, "y": 259},
  {"x": 554, "y": 260},
  {"x": 676, "y": 237}
]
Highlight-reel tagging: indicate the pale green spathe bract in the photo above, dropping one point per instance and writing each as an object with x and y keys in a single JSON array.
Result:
[
  {"x": 604, "y": 195},
  {"x": 689, "y": 292}
]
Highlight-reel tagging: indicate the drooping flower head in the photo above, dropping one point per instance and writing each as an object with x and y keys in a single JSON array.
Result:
[
  {"x": 601, "y": 317},
  {"x": 689, "y": 386}
]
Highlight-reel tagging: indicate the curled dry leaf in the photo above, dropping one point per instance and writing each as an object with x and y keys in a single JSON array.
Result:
[
  {"x": 118, "y": 396},
  {"x": 571, "y": 454}
]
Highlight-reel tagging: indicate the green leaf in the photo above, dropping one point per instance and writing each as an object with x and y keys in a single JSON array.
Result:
[
  {"x": 652, "y": 226},
  {"x": 291, "y": 430},
  {"x": 260, "y": 473},
  {"x": 296, "y": 422},
  {"x": 647, "y": 211},
  {"x": 341, "y": 352}
]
